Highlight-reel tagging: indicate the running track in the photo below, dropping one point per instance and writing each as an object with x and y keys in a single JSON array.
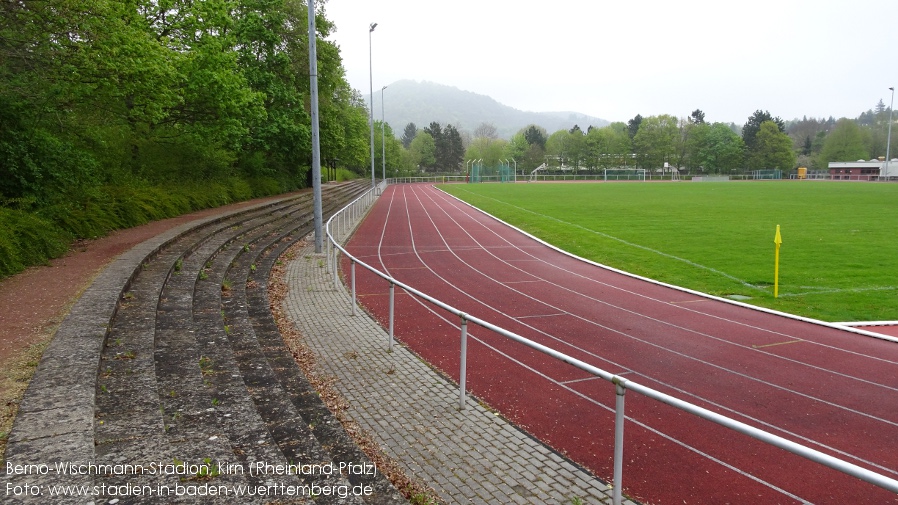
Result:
[{"x": 831, "y": 390}]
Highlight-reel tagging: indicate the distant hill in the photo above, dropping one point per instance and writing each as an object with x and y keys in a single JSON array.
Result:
[{"x": 422, "y": 102}]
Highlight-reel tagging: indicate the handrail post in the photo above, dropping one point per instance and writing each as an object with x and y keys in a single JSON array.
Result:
[
  {"x": 353, "y": 286},
  {"x": 336, "y": 261},
  {"x": 327, "y": 255},
  {"x": 617, "y": 482},
  {"x": 392, "y": 310},
  {"x": 462, "y": 375}
]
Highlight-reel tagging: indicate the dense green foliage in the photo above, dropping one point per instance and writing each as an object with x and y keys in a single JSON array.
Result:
[
  {"x": 113, "y": 113},
  {"x": 846, "y": 142},
  {"x": 448, "y": 150},
  {"x": 835, "y": 264}
]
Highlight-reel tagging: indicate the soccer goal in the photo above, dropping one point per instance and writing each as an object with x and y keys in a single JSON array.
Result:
[
  {"x": 767, "y": 174},
  {"x": 624, "y": 174}
]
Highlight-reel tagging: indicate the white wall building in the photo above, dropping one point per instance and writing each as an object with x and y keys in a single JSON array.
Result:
[{"x": 863, "y": 170}]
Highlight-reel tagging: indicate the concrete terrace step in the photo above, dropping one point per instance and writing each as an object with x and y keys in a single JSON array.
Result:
[{"x": 171, "y": 367}]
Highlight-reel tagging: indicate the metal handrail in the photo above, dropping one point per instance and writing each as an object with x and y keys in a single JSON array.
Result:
[{"x": 355, "y": 211}]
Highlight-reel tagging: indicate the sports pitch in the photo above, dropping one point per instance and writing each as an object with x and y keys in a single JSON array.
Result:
[{"x": 838, "y": 260}]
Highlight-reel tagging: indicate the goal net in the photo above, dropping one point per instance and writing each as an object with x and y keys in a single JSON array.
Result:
[{"x": 624, "y": 174}]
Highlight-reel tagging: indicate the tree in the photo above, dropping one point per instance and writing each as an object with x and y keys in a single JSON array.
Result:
[
  {"x": 534, "y": 157},
  {"x": 486, "y": 145},
  {"x": 721, "y": 150},
  {"x": 454, "y": 149},
  {"x": 846, "y": 142},
  {"x": 448, "y": 147},
  {"x": 486, "y": 130},
  {"x": 693, "y": 138},
  {"x": 567, "y": 145},
  {"x": 697, "y": 117},
  {"x": 803, "y": 130},
  {"x": 753, "y": 126},
  {"x": 435, "y": 130},
  {"x": 422, "y": 151},
  {"x": 408, "y": 135},
  {"x": 656, "y": 141},
  {"x": 491, "y": 151},
  {"x": 387, "y": 147},
  {"x": 559, "y": 145},
  {"x": 536, "y": 135},
  {"x": 633, "y": 126},
  {"x": 608, "y": 147},
  {"x": 517, "y": 147},
  {"x": 773, "y": 149},
  {"x": 527, "y": 147},
  {"x": 344, "y": 130}
]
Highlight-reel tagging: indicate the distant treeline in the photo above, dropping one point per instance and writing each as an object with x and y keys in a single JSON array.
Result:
[
  {"x": 113, "y": 113},
  {"x": 690, "y": 144}
]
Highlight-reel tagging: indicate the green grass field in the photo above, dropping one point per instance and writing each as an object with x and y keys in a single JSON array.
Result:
[{"x": 838, "y": 261}]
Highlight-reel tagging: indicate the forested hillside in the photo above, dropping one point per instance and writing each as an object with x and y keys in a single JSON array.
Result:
[
  {"x": 421, "y": 103},
  {"x": 113, "y": 113}
]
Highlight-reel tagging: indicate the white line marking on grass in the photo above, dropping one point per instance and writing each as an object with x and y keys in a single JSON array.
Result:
[
  {"x": 823, "y": 291},
  {"x": 457, "y": 201},
  {"x": 454, "y": 201},
  {"x": 631, "y": 244},
  {"x": 653, "y": 344}
]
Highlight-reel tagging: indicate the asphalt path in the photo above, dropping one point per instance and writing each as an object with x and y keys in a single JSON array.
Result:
[{"x": 831, "y": 390}]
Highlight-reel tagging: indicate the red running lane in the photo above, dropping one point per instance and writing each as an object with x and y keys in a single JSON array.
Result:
[{"x": 832, "y": 390}]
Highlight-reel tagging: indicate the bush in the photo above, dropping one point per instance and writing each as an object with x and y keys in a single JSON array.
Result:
[
  {"x": 26, "y": 240},
  {"x": 33, "y": 237}
]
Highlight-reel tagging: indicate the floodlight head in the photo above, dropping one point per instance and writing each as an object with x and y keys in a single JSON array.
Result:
[
  {"x": 373, "y": 26},
  {"x": 892, "y": 88}
]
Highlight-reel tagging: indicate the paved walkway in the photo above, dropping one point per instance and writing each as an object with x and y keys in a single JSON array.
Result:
[{"x": 469, "y": 456}]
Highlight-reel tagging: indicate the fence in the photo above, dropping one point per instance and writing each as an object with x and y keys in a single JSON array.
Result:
[
  {"x": 343, "y": 223},
  {"x": 434, "y": 179}
]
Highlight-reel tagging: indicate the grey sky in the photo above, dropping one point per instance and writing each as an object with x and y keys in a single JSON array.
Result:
[{"x": 616, "y": 59}]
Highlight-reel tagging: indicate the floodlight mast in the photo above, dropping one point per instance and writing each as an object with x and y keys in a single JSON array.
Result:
[
  {"x": 371, "y": 84},
  {"x": 889, "y": 139},
  {"x": 383, "y": 126},
  {"x": 316, "y": 145}
]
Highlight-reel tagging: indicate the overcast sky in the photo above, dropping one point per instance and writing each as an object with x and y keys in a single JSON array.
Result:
[{"x": 617, "y": 58}]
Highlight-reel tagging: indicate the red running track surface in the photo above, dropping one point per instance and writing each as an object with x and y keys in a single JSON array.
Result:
[{"x": 831, "y": 390}]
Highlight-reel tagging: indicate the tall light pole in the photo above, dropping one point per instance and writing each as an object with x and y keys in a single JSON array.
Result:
[
  {"x": 383, "y": 126},
  {"x": 371, "y": 84},
  {"x": 316, "y": 144},
  {"x": 889, "y": 139}
]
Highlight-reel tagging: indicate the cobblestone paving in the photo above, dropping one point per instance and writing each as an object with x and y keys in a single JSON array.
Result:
[
  {"x": 168, "y": 382},
  {"x": 467, "y": 456}
]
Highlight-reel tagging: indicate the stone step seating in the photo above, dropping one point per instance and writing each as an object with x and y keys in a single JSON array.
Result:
[{"x": 183, "y": 380}]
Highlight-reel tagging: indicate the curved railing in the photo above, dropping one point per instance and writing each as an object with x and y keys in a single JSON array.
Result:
[{"x": 343, "y": 224}]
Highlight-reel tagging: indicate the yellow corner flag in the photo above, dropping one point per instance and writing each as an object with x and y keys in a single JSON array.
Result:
[{"x": 778, "y": 240}]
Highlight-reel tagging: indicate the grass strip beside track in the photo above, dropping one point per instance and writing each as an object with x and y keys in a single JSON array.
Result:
[{"x": 837, "y": 263}]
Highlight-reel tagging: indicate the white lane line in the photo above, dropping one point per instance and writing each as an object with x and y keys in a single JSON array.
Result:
[
  {"x": 452, "y": 201},
  {"x": 783, "y": 430},
  {"x": 761, "y": 422},
  {"x": 659, "y": 346},
  {"x": 455, "y": 202},
  {"x": 471, "y": 334},
  {"x": 587, "y": 379},
  {"x": 539, "y": 315}
]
